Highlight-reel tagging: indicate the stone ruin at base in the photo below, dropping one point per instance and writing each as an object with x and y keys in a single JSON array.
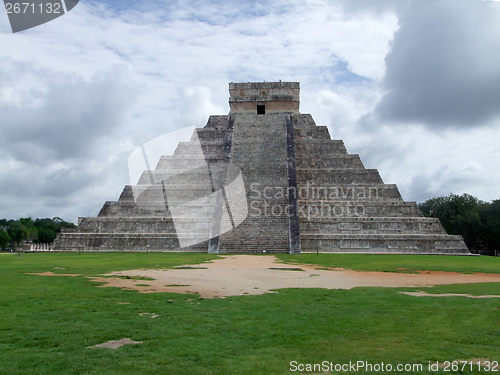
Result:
[{"x": 263, "y": 179}]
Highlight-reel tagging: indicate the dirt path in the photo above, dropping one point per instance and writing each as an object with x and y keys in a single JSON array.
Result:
[
  {"x": 425, "y": 294},
  {"x": 250, "y": 275}
]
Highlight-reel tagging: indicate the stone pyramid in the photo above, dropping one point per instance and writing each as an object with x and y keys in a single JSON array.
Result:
[{"x": 263, "y": 179}]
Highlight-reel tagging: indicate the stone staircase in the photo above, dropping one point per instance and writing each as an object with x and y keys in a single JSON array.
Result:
[{"x": 259, "y": 149}]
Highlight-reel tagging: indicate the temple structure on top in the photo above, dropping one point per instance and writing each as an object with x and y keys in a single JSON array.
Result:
[{"x": 262, "y": 179}]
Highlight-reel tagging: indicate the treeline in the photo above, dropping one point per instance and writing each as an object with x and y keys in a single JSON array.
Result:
[
  {"x": 13, "y": 233},
  {"x": 476, "y": 221}
]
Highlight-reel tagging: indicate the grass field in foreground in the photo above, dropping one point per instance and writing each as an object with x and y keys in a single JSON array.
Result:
[
  {"x": 399, "y": 263},
  {"x": 47, "y": 323}
]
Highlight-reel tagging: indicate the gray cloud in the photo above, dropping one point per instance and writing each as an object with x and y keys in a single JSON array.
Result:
[
  {"x": 60, "y": 136},
  {"x": 442, "y": 69},
  {"x": 62, "y": 119},
  {"x": 444, "y": 181}
]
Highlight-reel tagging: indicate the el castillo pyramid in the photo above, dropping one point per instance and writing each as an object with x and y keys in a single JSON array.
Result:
[{"x": 262, "y": 179}]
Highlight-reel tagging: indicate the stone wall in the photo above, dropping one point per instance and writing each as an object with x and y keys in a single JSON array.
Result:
[{"x": 275, "y": 96}]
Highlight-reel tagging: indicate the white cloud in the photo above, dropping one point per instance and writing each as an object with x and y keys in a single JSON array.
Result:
[
  {"x": 79, "y": 93},
  {"x": 60, "y": 116}
]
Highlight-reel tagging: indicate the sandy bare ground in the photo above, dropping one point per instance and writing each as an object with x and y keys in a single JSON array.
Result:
[
  {"x": 251, "y": 275},
  {"x": 425, "y": 294},
  {"x": 50, "y": 273},
  {"x": 115, "y": 344}
]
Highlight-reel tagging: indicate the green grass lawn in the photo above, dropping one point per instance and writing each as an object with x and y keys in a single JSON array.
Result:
[
  {"x": 399, "y": 263},
  {"x": 47, "y": 323}
]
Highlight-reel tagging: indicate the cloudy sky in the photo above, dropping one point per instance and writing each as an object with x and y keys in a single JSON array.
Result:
[{"x": 413, "y": 86}]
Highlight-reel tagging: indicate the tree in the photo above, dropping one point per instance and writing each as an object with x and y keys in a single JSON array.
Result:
[
  {"x": 45, "y": 235},
  {"x": 476, "y": 221},
  {"x": 30, "y": 228},
  {"x": 490, "y": 216},
  {"x": 39, "y": 231},
  {"x": 4, "y": 239},
  {"x": 47, "y": 229},
  {"x": 17, "y": 232}
]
